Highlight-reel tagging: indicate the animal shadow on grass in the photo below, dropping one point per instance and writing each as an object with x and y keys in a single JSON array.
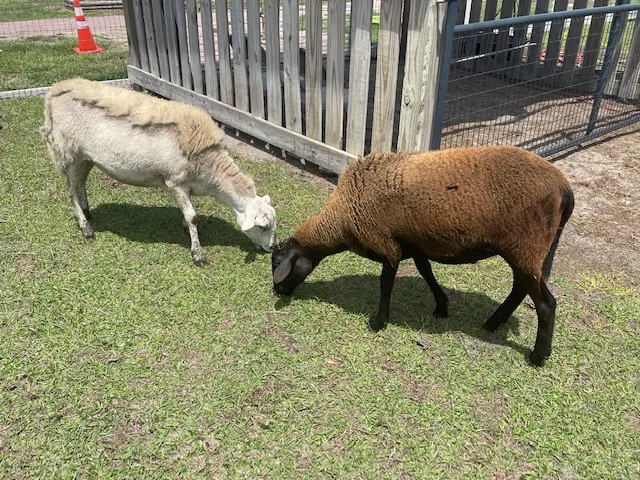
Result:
[
  {"x": 164, "y": 225},
  {"x": 412, "y": 305}
]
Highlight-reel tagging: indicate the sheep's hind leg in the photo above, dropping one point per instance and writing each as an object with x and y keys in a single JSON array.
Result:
[
  {"x": 442, "y": 302},
  {"x": 386, "y": 286},
  {"x": 76, "y": 183},
  {"x": 515, "y": 298},
  {"x": 182, "y": 198},
  {"x": 546, "y": 309}
]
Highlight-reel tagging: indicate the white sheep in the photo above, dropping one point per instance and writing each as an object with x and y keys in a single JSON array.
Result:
[{"x": 141, "y": 140}]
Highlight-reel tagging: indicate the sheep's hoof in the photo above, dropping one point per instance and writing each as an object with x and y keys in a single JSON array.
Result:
[
  {"x": 200, "y": 262},
  {"x": 493, "y": 324},
  {"x": 441, "y": 311},
  {"x": 538, "y": 360},
  {"x": 377, "y": 323},
  {"x": 88, "y": 234}
]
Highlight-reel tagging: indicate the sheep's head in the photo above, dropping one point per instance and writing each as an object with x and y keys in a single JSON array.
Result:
[
  {"x": 258, "y": 222},
  {"x": 291, "y": 264}
]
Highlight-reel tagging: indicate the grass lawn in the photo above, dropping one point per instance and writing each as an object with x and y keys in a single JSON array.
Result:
[
  {"x": 42, "y": 61},
  {"x": 121, "y": 359}
]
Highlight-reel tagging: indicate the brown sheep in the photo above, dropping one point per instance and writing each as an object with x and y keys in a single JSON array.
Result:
[{"x": 450, "y": 206}]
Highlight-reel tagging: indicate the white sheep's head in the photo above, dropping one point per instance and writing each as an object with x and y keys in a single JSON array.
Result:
[{"x": 258, "y": 222}]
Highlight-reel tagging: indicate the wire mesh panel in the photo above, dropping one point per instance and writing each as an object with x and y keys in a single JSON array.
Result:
[
  {"x": 546, "y": 84},
  {"x": 37, "y": 39}
]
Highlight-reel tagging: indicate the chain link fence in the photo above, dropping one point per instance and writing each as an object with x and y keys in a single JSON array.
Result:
[{"x": 37, "y": 40}]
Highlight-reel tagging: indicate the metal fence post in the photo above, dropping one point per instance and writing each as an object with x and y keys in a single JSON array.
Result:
[
  {"x": 443, "y": 74},
  {"x": 604, "y": 73}
]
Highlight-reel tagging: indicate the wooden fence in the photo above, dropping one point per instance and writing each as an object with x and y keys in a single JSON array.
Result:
[{"x": 325, "y": 92}]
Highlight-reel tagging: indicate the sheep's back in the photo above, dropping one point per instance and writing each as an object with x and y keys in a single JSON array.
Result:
[{"x": 452, "y": 200}]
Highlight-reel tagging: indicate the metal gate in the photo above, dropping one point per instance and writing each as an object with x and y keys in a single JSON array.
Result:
[{"x": 543, "y": 82}]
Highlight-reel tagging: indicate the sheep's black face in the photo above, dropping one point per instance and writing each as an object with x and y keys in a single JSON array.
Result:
[{"x": 290, "y": 266}]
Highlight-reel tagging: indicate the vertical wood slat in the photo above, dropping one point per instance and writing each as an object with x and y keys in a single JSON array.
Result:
[
  {"x": 183, "y": 46},
  {"x": 359, "y": 65},
  {"x": 519, "y": 37},
  {"x": 334, "y": 116},
  {"x": 147, "y": 16},
  {"x": 572, "y": 46},
  {"x": 239, "y": 43},
  {"x": 194, "y": 46},
  {"x": 487, "y": 39},
  {"x": 436, "y": 20},
  {"x": 610, "y": 86},
  {"x": 292, "y": 107},
  {"x": 386, "y": 75},
  {"x": 592, "y": 49},
  {"x": 506, "y": 11},
  {"x": 134, "y": 47},
  {"x": 172, "y": 41},
  {"x": 629, "y": 88},
  {"x": 210, "y": 70},
  {"x": 413, "y": 70},
  {"x": 471, "y": 42},
  {"x": 161, "y": 44},
  {"x": 553, "y": 43},
  {"x": 254, "y": 53},
  {"x": 313, "y": 70},
  {"x": 462, "y": 12},
  {"x": 222, "y": 25},
  {"x": 140, "y": 35},
  {"x": 274, "y": 82},
  {"x": 537, "y": 33}
]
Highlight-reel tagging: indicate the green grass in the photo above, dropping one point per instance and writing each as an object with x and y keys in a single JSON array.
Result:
[
  {"x": 14, "y": 10},
  {"x": 120, "y": 359},
  {"x": 42, "y": 61}
]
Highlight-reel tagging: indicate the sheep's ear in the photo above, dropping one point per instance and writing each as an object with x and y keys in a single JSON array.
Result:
[
  {"x": 267, "y": 199},
  {"x": 282, "y": 271},
  {"x": 247, "y": 224}
]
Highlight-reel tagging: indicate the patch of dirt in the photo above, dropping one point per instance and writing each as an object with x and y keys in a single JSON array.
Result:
[
  {"x": 604, "y": 230},
  {"x": 110, "y": 182}
]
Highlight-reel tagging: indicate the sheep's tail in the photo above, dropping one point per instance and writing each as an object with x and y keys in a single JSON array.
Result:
[{"x": 567, "y": 209}]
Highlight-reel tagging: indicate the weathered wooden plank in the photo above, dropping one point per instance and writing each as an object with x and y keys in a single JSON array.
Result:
[
  {"x": 183, "y": 45},
  {"x": 172, "y": 41},
  {"x": 506, "y": 11},
  {"x": 327, "y": 157},
  {"x": 313, "y": 70},
  {"x": 147, "y": 16},
  {"x": 610, "y": 86},
  {"x": 274, "y": 81},
  {"x": 386, "y": 75},
  {"x": 572, "y": 46},
  {"x": 487, "y": 39},
  {"x": 426, "y": 21},
  {"x": 224, "y": 55},
  {"x": 161, "y": 44},
  {"x": 334, "y": 114},
  {"x": 254, "y": 51},
  {"x": 592, "y": 49},
  {"x": 129, "y": 22},
  {"x": 210, "y": 70},
  {"x": 359, "y": 65},
  {"x": 519, "y": 37},
  {"x": 140, "y": 34},
  {"x": 292, "y": 104},
  {"x": 239, "y": 43},
  {"x": 194, "y": 46},
  {"x": 553, "y": 43},
  {"x": 471, "y": 41},
  {"x": 537, "y": 34},
  {"x": 629, "y": 88}
]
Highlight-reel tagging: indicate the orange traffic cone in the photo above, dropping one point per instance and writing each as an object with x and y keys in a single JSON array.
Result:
[{"x": 85, "y": 39}]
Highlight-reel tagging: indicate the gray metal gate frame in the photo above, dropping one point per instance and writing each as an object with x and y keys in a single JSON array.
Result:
[{"x": 592, "y": 132}]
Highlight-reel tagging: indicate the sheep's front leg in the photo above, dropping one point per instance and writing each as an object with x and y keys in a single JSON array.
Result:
[
  {"x": 181, "y": 195},
  {"x": 386, "y": 286}
]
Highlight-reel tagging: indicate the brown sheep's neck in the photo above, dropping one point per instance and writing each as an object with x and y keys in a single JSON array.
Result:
[{"x": 322, "y": 234}]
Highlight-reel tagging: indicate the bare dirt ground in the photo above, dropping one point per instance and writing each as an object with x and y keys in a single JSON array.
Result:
[{"x": 604, "y": 231}]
